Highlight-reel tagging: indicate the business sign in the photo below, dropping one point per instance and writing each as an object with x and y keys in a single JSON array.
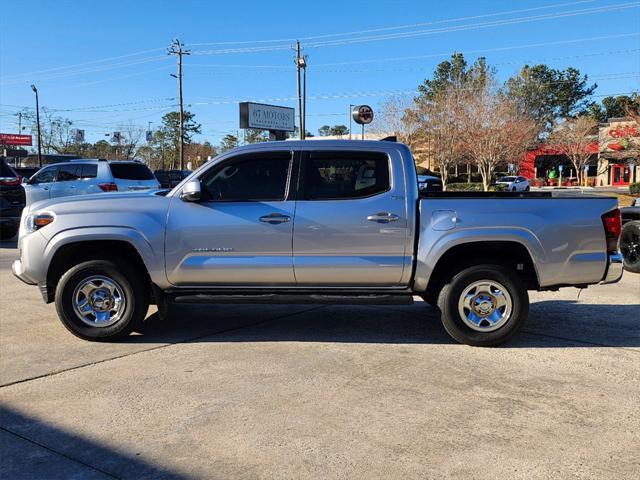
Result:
[
  {"x": 266, "y": 117},
  {"x": 13, "y": 139},
  {"x": 362, "y": 114}
]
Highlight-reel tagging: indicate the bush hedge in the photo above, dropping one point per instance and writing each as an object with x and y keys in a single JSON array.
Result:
[{"x": 634, "y": 188}]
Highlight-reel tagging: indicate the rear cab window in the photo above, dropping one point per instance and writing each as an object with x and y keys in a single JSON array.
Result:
[
  {"x": 344, "y": 175},
  {"x": 131, "y": 171}
]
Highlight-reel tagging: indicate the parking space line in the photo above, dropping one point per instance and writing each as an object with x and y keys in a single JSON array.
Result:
[{"x": 188, "y": 340}]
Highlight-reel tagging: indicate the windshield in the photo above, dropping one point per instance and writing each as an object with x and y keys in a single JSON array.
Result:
[
  {"x": 5, "y": 170},
  {"x": 507, "y": 179},
  {"x": 131, "y": 171}
]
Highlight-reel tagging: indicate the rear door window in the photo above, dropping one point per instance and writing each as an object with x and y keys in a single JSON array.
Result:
[
  {"x": 131, "y": 171},
  {"x": 67, "y": 173},
  {"x": 344, "y": 175},
  {"x": 88, "y": 170}
]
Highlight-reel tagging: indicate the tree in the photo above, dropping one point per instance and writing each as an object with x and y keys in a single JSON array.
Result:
[
  {"x": 439, "y": 126},
  {"x": 324, "y": 131},
  {"x": 397, "y": 117},
  {"x": 547, "y": 94},
  {"x": 612, "y": 107},
  {"x": 573, "y": 138},
  {"x": 339, "y": 130},
  {"x": 455, "y": 73},
  {"x": 227, "y": 143},
  {"x": 495, "y": 131},
  {"x": 166, "y": 140},
  {"x": 251, "y": 135}
]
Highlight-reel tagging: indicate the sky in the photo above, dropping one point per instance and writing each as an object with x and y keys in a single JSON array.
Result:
[{"x": 104, "y": 65}]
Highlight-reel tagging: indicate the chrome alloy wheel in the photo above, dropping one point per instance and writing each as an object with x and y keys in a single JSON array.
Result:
[
  {"x": 99, "y": 301},
  {"x": 485, "y": 306}
]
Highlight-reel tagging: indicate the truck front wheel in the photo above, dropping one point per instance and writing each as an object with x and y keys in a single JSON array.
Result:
[
  {"x": 483, "y": 305},
  {"x": 101, "y": 300}
]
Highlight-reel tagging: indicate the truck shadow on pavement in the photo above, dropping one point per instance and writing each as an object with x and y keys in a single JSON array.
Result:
[
  {"x": 553, "y": 323},
  {"x": 31, "y": 448}
]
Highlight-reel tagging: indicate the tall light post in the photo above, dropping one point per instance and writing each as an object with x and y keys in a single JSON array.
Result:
[{"x": 33, "y": 87}]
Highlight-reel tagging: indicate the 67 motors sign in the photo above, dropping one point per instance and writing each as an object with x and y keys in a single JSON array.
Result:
[{"x": 14, "y": 139}]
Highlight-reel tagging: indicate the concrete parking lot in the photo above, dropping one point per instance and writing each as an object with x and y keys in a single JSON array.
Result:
[{"x": 322, "y": 392}]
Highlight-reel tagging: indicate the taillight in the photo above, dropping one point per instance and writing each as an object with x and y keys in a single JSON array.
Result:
[
  {"x": 612, "y": 222},
  {"x": 108, "y": 187},
  {"x": 10, "y": 181}
]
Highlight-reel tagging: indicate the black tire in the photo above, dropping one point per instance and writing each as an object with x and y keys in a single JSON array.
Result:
[
  {"x": 132, "y": 287},
  {"x": 457, "y": 327},
  {"x": 630, "y": 246},
  {"x": 8, "y": 231},
  {"x": 513, "y": 189},
  {"x": 527, "y": 189}
]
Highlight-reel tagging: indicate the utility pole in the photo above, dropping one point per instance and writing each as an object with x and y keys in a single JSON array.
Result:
[
  {"x": 301, "y": 63},
  {"x": 176, "y": 48},
  {"x": 19, "y": 122},
  {"x": 33, "y": 87}
]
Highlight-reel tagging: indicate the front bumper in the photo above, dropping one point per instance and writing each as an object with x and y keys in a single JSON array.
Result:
[
  {"x": 614, "y": 268},
  {"x": 18, "y": 271}
]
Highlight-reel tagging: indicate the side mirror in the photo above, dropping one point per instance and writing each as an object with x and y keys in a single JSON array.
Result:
[{"x": 191, "y": 192}]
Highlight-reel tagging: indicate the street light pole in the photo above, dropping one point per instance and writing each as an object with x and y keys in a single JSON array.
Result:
[
  {"x": 33, "y": 87},
  {"x": 350, "y": 118}
]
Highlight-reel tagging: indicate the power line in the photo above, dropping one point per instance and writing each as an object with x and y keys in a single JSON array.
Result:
[
  {"x": 483, "y": 50},
  {"x": 29, "y": 74},
  {"x": 397, "y": 27},
  {"x": 513, "y": 21}
]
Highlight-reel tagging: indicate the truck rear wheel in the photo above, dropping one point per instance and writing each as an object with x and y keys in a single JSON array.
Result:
[
  {"x": 101, "y": 300},
  {"x": 483, "y": 305}
]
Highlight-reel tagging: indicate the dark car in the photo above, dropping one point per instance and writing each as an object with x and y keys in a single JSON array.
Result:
[
  {"x": 26, "y": 172},
  {"x": 11, "y": 201},
  {"x": 429, "y": 183},
  {"x": 171, "y": 178},
  {"x": 630, "y": 237}
]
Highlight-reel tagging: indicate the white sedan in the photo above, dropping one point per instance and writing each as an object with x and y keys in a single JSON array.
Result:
[{"x": 514, "y": 184}]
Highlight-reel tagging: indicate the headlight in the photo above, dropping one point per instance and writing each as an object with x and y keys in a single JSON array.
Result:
[{"x": 36, "y": 221}]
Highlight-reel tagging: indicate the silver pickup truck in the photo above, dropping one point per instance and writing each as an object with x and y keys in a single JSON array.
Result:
[{"x": 316, "y": 221}]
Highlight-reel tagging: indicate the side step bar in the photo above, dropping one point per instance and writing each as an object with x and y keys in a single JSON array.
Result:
[{"x": 295, "y": 299}]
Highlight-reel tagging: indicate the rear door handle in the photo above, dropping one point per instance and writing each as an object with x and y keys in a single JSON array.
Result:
[
  {"x": 383, "y": 217},
  {"x": 275, "y": 218}
]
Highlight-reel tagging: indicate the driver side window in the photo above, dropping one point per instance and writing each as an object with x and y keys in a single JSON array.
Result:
[{"x": 252, "y": 177}]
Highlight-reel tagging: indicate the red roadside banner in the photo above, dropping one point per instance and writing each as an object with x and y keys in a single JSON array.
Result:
[{"x": 14, "y": 139}]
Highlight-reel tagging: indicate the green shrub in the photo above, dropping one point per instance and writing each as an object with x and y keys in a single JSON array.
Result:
[
  {"x": 465, "y": 187},
  {"x": 634, "y": 188}
]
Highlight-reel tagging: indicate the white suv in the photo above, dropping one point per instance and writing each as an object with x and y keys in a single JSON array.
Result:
[
  {"x": 514, "y": 184},
  {"x": 81, "y": 177}
]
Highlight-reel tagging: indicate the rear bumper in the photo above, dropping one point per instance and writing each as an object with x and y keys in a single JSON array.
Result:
[{"x": 614, "y": 268}]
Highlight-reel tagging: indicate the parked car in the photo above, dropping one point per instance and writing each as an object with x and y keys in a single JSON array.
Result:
[
  {"x": 170, "y": 178},
  {"x": 11, "y": 201},
  {"x": 429, "y": 183},
  {"x": 227, "y": 235},
  {"x": 514, "y": 184},
  {"x": 82, "y": 177},
  {"x": 630, "y": 237}
]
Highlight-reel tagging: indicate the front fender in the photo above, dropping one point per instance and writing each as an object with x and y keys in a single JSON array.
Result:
[{"x": 150, "y": 254}]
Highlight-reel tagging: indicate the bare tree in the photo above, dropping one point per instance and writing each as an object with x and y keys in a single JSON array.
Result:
[
  {"x": 398, "y": 117},
  {"x": 573, "y": 138},
  {"x": 440, "y": 127},
  {"x": 495, "y": 131}
]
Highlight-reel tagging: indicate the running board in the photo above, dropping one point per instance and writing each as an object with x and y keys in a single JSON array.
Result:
[{"x": 295, "y": 299}]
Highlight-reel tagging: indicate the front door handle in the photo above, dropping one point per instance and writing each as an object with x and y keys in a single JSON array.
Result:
[
  {"x": 383, "y": 217},
  {"x": 275, "y": 218}
]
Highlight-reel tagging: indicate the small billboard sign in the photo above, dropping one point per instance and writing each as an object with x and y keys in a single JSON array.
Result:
[
  {"x": 14, "y": 139},
  {"x": 266, "y": 117}
]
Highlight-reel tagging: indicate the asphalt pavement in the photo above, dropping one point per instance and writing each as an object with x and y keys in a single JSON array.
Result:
[{"x": 322, "y": 392}]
